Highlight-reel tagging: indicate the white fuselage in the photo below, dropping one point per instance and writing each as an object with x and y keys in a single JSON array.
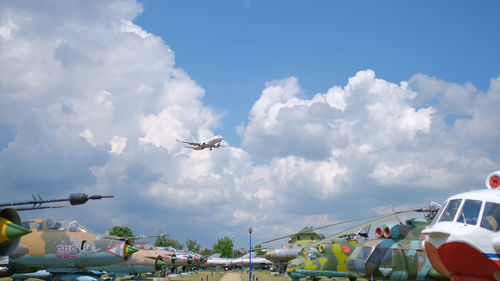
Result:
[
  {"x": 463, "y": 241},
  {"x": 211, "y": 143}
]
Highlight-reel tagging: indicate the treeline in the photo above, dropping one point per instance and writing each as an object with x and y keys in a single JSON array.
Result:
[{"x": 224, "y": 246}]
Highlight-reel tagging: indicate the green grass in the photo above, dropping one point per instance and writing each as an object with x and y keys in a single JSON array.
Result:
[
  {"x": 213, "y": 275},
  {"x": 264, "y": 275}
]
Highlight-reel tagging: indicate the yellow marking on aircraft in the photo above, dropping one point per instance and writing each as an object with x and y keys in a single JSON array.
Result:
[
  {"x": 341, "y": 257},
  {"x": 322, "y": 262},
  {"x": 3, "y": 229},
  {"x": 10, "y": 231},
  {"x": 309, "y": 265},
  {"x": 34, "y": 243}
]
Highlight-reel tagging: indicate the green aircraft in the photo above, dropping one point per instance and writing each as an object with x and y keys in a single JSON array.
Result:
[
  {"x": 397, "y": 254},
  {"x": 328, "y": 257}
]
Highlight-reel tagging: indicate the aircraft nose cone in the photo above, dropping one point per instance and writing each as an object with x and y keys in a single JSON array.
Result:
[
  {"x": 129, "y": 250},
  {"x": 11, "y": 231},
  {"x": 270, "y": 255},
  {"x": 159, "y": 263}
]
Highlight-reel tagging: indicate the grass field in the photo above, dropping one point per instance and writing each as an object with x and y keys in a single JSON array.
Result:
[
  {"x": 260, "y": 275},
  {"x": 264, "y": 275}
]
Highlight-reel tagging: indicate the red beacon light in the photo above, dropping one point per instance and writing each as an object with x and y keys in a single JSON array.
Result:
[{"x": 493, "y": 180}]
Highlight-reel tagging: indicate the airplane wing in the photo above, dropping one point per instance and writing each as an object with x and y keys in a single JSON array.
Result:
[{"x": 190, "y": 143}]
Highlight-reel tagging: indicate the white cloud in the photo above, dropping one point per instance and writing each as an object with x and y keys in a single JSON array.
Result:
[
  {"x": 79, "y": 81},
  {"x": 118, "y": 144}
]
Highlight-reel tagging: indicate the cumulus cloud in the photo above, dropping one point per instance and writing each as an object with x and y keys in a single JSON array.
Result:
[
  {"x": 92, "y": 102},
  {"x": 374, "y": 129}
]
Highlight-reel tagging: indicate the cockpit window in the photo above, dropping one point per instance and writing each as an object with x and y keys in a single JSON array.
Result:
[
  {"x": 441, "y": 209},
  {"x": 470, "y": 212},
  {"x": 313, "y": 254},
  {"x": 27, "y": 224},
  {"x": 37, "y": 227},
  {"x": 76, "y": 227},
  {"x": 451, "y": 210},
  {"x": 491, "y": 216},
  {"x": 54, "y": 225},
  {"x": 364, "y": 253},
  {"x": 387, "y": 258}
]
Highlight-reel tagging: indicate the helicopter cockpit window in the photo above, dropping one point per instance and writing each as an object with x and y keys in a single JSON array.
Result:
[
  {"x": 470, "y": 212},
  {"x": 375, "y": 256},
  {"x": 450, "y": 210},
  {"x": 76, "y": 227},
  {"x": 364, "y": 253},
  {"x": 491, "y": 216},
  {"x": 387, "y": 258},
  {"x": 313, "y": 254}
]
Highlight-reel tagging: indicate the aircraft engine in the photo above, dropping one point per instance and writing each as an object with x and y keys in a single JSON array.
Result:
[
  {"x": 10, "y": 230},
  {"x": 383, "y": 231},
  {"x": 493, "y": 180}
]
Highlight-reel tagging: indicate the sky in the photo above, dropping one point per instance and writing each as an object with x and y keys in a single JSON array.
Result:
[{"x": 331, "y": 110}]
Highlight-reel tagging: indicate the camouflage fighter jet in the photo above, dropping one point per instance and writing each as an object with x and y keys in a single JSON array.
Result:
[
  {"x": 10, "y": 222},
  {"x": 328, "y": 257},
  {"x": 144, "y": 261},
  {"x": 396, "y": 254},
  {"x": 147, "y": 259},
  {"x": 65, "y": 249}
]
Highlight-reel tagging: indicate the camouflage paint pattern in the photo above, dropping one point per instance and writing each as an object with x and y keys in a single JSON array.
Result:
[
  {"x": 327, "y": 259},
  {"x": 144, "y": 261},
  {"x": 66, "y": 250},
  {"x": 397, "y": 254}
]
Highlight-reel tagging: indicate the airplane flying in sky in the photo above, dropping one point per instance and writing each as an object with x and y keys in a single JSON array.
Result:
[
  {"x": 462, "y": 242},
  {"x": 213, "y": 142}
]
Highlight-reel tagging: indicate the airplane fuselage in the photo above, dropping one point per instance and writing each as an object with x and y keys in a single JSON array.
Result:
[{"x": 463, "y": 241}]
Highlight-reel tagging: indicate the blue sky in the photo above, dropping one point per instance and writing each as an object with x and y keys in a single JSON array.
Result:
[
  {"x": 332, "y": 110},
  {"x": 232, "y": 47}
]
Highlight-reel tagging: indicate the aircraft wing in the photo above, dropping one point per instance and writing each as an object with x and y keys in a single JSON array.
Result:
[{"x": 190, "y": 143}]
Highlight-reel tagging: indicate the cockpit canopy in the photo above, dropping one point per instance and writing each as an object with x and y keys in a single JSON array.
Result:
[
  {"x": 54, "y": 225},
  {"x": 470, "y": 212}
]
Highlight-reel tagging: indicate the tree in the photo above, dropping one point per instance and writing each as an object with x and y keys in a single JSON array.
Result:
[
  {"x": 207, "y": 252},
  {"x": 162, "y": 241},
  {"x": 192, "y": 245},
  {"x": 259, "y": 249},
  {"x": 224, "y": 246},
  {"x": 121, "y": 231}
]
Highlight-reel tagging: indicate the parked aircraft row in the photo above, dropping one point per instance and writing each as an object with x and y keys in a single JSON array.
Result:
[{"x": 460, "y": 242}]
